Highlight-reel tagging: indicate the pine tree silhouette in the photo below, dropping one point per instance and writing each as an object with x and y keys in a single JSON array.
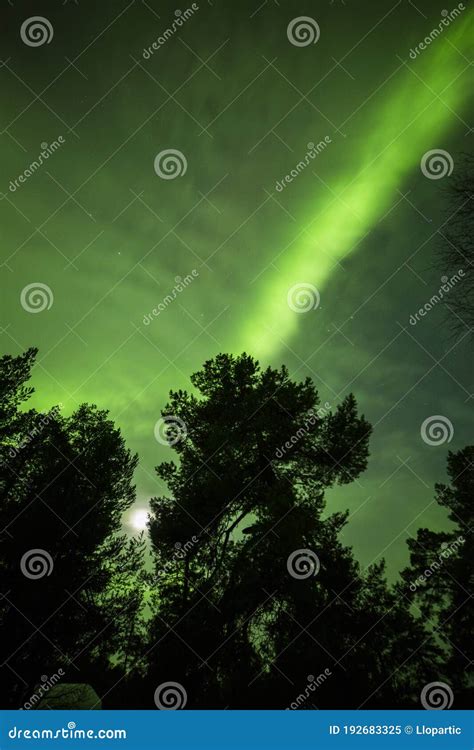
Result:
[
  {"x": 262, "y": 593},
  {"x": 441, "y": 576},
  {"x": 71, "y": 582}
]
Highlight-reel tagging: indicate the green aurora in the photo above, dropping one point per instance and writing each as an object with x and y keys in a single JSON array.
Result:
[
  {"x": 385, "y": 158},
  {"x": 109, "y": 237}
]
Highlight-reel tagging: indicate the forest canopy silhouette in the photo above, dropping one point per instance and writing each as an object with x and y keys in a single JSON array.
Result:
[{"x": 252, "y": 601}]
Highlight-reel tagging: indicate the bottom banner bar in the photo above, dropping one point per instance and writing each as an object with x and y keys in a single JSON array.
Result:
[{"x": 249, "y": 730}]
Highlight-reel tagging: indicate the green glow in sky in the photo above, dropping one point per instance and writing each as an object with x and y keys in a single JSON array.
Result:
[
  {"x": 111, "y": 253},
  {"x": 397, "y": 135}
]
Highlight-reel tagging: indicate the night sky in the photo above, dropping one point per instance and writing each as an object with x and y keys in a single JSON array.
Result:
[{"x": 359, "y": 226}]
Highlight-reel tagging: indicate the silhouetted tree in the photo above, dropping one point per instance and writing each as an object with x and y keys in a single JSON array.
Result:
[
  {"x": 71, "y": 583},
  {"x": 255, "y": 602},
  {"x": 457, "y": 249},
  {"x": 440, "y": 578},
  {"x": 242, "y": 613}
]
